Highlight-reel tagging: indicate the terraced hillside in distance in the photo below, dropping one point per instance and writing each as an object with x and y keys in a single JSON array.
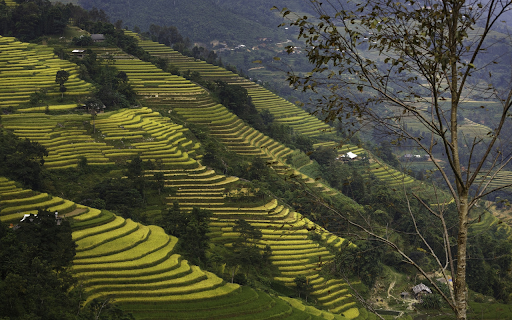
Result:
[
  {"x": 137, "y": 266},
  {"x": 26, "y": 68},
  {"x": 284, "y": 111},
  {"x": 501, "y": 179},
  {"x": 194, "y": 105}
]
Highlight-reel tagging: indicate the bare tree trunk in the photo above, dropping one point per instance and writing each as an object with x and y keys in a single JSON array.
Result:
[{"x": 460, "y": 288}]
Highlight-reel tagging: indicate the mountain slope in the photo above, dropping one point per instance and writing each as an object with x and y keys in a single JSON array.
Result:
[
  {"x": 200, "y": 20},
  {"x": 137, "y": 266},
  {"x": 26, "y": 68}
]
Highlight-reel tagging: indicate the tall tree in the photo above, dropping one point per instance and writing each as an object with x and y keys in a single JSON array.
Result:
[{"x": 387, "y": 63}]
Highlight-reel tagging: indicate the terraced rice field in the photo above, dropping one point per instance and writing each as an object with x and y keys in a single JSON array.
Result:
[
  {"x": 284, "y": 111},
  {"x": 16, "y": 201},
  {"x": 493, "y": 218},
  {"x": 199, "y": 108},
  {"x": 137, "y": 266},
  {"x": 196, "y": 186},
  {"x": 64, "y": 136},
  {"x": 283, "y": 229},
  {"x": 193, "y": 104},
  {"x": 503, "y": 178},
  {"x": 124, "y": 134},
  {"x": 342, "y": 149},
  {"x": 242, "y": 139},
  {"x": 145, "y": 132},
  {"x": 184, "y": 63},
  {"x": 26, "y": 68},
  {"x": 383, "y": 172},
  {"x": 392, "y": 177}
]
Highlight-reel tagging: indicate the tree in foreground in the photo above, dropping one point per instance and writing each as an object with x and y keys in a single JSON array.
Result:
[{"x": 386, "y": 64}]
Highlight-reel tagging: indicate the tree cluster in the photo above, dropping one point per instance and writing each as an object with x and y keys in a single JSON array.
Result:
[
  {"x": 191, "y": 229},
  {"x": 21, "y": 160},
  {"x": 29, "y": 20},
  {"x": 237, "y": 99},
  {"x": 35, "y": 278}
]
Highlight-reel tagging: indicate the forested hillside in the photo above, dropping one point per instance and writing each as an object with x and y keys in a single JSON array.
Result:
[{"x": 202, "y": 21}]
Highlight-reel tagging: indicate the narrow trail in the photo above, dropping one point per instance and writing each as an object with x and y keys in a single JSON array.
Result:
[{"x": 391, "y": 286}]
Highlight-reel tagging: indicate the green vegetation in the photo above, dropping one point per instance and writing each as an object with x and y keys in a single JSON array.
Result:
[
  {"x": 137, "y": 264},
  {"x": 21, "y": 159},
  {"x": 26, "y": 68},
  {"x": 226, "y": 21},
  {"x": 236, "y": 178}
]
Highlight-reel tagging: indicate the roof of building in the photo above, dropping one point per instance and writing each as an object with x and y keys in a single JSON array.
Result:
[
  {"x": 421, "y": 287},
  {"x": 97, "y": 36}
]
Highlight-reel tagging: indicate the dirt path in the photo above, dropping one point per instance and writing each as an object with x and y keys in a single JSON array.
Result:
[{"x": 391, "y": 286}]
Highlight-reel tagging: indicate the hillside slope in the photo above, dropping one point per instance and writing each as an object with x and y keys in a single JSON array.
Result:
[
  {"x": 137, "y": 266},
  {"x": 201, "y": 21},
  {"x": 284, "y": 112},
  {"x": 26, "y": 68},
  {"x": 150, "y": 135}
]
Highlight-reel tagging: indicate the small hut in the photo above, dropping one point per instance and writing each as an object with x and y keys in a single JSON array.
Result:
[
  {"x": 420, "y": 290},
  {"x": 97, "y": 37}
]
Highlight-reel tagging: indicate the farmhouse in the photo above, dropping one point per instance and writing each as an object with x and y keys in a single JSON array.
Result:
[
  {"x": 97, "y": 37},
  {"x": 80, "y": 53},
  {"x": 347, "y": 157},
  {"x": 420, "y": 290},
  {"x": 409, "y": 157}
]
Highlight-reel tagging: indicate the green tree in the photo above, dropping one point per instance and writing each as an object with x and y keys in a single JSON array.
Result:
[
  {"x": 61, "y": 77},
  {"x": 248, "y": 233},
  {"x": 303, "y": 286},
  {"x": 245, "y": 253},
  {"x": 104, "y": 309},
  {"x": 159, "y": 181},
  {"x": 53, "y": 241},
  {"x": 34, "y": 279},
  {"x": 379, "y": 62},
  {"x": 191, "y": 228},
  {"x": 22, "y": 160},
  {"x": 362, "y": 260},
  {"x": 93, "y": 106},
  {"x": 38, "y": 98},
  {"x": 194, "y": 239}
]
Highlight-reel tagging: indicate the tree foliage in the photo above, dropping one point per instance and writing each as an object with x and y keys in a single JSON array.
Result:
[
  {"x": 384, "y": 64},
  {"x": 245, "y": 253},
  {"x": 191, "y": 229},
  {"x": 303, "y": 286},
  {"x": 61, "y": 77},
  {"x": 21, "y": 159},
  {"x": 34, "y": 276}
]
